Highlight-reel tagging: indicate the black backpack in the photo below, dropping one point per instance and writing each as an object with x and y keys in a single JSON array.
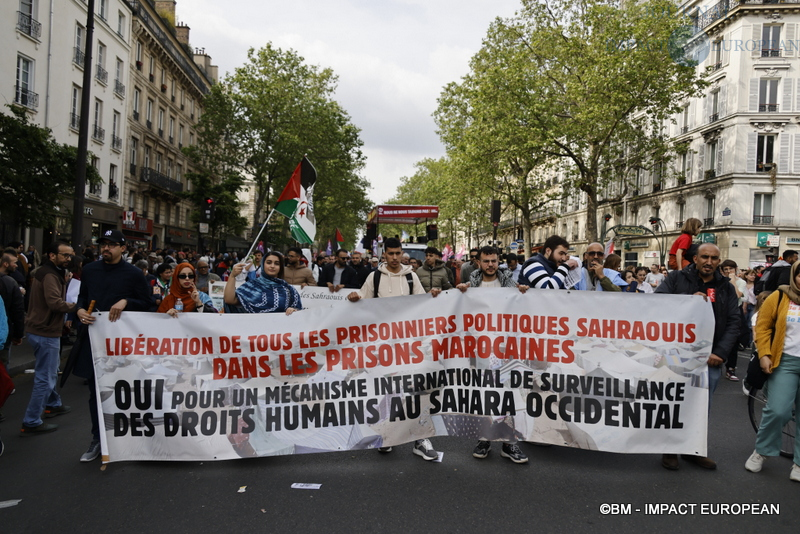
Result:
[{"x": 377, "y": 280}]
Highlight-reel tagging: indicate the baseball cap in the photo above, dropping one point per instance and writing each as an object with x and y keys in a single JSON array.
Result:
[{"x": 112, "y": 236}]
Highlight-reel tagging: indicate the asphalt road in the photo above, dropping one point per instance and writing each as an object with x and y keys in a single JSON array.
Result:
[{"x": 559, "y": 490}]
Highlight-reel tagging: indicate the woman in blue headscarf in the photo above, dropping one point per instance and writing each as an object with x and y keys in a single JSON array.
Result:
[{"x": 266, "y": 294}]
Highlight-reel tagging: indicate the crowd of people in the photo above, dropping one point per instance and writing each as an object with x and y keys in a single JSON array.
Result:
[{"x": 60, "y": 289}]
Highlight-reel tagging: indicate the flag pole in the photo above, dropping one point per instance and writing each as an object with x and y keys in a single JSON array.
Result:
[{"x": 259, "y": 235}]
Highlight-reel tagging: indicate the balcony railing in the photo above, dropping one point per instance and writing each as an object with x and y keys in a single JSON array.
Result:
[
  {"x": 136, "y": 116},
  {"x": 149, "y": 125},
  {"x": 770, "y": 52},
  {"x": 684, "y": 129},
  {"x": 101, "y": 74},
  {"x": 28, "y": 25},
  {"x": 74, "y": 121},
  {"x": 714, "y": 117},
  {"x": 708, "y": 221},
  {"x": 116, "y": 143},
  {"x": 119, "y": 88},
  {"x": 720, "y": 11},
  {"x": 763, "y": 219},
  {"x": 656, "y": 188},
  {"x": 99, "y": 134},
  {"x": 78, "y": 56},
  {"x": 767, "y": 107},
  {"x": 26, "y": 97},
  {"x": 678, "y": 225},
  {"x": 764, "y": 167},
  {"x": 133, "y": 169},
  {"x": 157, "y": 179},
  {"x": 171, "y": 140},
  {"x": 160, "y": 132},
  {"x": 716, "y": 66}
]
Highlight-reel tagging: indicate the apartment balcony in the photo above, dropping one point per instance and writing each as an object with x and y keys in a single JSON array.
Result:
[
  {"x": 119, "y": 88},
  {"x": 770, "y": 52},
  {"x": 708, "y": 221},
  {"x": 714, "y": 117},
  {"x": 767, "y": 108},
  {"x": 116, "y": 143},
  {"x": 155, "y": 178},
  {"x": 101, "y": 75},
  {"x": 28, "y": 25},
  {"x": 136, "y": 116},
  {"x": 160, "y": 133},
  {"x": 171, "y": 140},
  {"x": 716, "y": 66},
  {"x": 720, "y": 10},
  {"x": 78, "y": 57},
  {"x": 26, "y": 97},
  {"x": 98, "y": 134},
  {"x": 133, "y": 170},
  {"x": 149, "y": 125},
  {"x": 765, "y": 220},
  {"x": 74, "y": 121},
  {"x": 684, "y": 129}
]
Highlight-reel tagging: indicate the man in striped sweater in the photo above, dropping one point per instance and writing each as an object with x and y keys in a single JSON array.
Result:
[{"x": 548, "y": 269}]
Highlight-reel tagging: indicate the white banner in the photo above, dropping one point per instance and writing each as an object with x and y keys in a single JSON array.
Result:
[
  {"x": 322, "y": 297},
  {"x": 599, "y": 371}
]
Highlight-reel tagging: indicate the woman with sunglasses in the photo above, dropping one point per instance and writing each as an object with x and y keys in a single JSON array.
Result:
[
  {"x": 268, "y": 293},
  {"x": 183, "y": 295}
]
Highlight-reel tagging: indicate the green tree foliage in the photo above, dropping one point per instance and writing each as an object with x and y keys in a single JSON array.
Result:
[
  {"x": 36, "y": 172},
  {"x": 282, "y": 109},
  {"x": 216, "y": 173},
  {"x": 583, "y": 87}
]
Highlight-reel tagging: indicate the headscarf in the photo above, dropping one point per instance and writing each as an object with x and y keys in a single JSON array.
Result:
[
  {"x": 267, "y": 295},
  {"x": 178, "y": 292},
  {"x": 792, "y": 290}
]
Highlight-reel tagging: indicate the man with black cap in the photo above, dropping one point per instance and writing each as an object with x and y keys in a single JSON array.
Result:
[{"x": 114, "y": 285}]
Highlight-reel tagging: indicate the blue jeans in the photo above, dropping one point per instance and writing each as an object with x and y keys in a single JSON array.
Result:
[
  {"x": 783, "y": 395},
  {"x": 47, "y": 351}
]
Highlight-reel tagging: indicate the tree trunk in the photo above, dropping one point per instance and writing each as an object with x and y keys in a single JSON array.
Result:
[{"x": 591, "y": 213}]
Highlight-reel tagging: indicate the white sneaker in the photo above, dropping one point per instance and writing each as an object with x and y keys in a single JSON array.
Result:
[
  {"x": 424, "y": 449},
  {"x": 92, "y": 452},
  {"x": 754, "y": 463},
  {"x": 795, "y": 473}
]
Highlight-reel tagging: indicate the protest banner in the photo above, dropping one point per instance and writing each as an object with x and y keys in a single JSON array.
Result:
[
  {"x": 322, "y": 297},
  {"x": 598, "y": 371}
]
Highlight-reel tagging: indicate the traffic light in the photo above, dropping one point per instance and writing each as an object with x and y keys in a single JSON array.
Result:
[{"x": 207, "y": 211}]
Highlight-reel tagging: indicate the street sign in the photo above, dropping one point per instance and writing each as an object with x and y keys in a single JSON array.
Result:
[
  {"x": 774, "y": 240},
  {"x": 631, "y": 230},
  {"x": 203, "y": 228},
  {"x": 513, "y": 245}
]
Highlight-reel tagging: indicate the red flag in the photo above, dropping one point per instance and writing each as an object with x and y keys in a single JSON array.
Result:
[{"x": 339, "y": 236}]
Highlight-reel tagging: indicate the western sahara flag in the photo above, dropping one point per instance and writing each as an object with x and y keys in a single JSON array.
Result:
[{"x": 297, "y": 202}]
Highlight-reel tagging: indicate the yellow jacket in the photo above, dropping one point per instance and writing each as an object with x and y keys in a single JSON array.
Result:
[{"x": 771, "y": 327}]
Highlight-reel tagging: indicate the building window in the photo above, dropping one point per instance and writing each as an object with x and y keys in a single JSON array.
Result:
[
  {"x": 96, "y": 189},
  {"x": 121, "y": 24},
  {"x": 685, "y": 121},
  {"x": 716, "y": 54},
  {"x": 158, "y": 161},
  {"x": 147, "y": 157},
  {"x": 136, "y": 96},
  {"x": 116, "y": 140},
  {"x": 169, "y": 168},
  {"x": 99, "y": 133},
  {"x": 160, "y": 122},
  {"x": 145, "y": 205},
  {"x": 103, "y": 11},
  {"x": 75, "y": 108},
  {"x": 149, "y": 114},
  {"x": 681, "y": 216},
  {"x": 768, "y": 95},
  {"x": 709, "y": 220},
  {"x": 711, "y": 150},
  {"x": 134, "y": 152},
  {"x": 171, "y": 129},
  {"x": 131, "y": 200},
  {"x": 765, "y": 152},
  {"x": 714, "y": 116},
  {"x": 101, "y": 74},
  {"x": 78, "y": 55},
  {"x": 762, "y": 208},
  {"x": 685, "y": 170},
  {"x": 180, "y": 136},
  {"x": 658, "y": 171},
  {"x": 771, "y": 40},
  {"x": 179, "y": 172},
  {"x": 26, "y": 19},
  {"x": 119, "y": 87},
  {"x": 23, "y": 89},
  {"x": 152, "y": 69},
  {"x": 139, "y": 55},
  {"x": 113, "y": 190}
]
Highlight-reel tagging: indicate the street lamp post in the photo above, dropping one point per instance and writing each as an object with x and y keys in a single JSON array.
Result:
[{"x": 657, "y": 223}]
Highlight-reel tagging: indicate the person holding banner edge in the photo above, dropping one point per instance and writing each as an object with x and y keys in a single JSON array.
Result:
[
  {"x": 393, "y": 279},
  {"x": 703, "y": 278},
  {"x": 114, "y": 285}
]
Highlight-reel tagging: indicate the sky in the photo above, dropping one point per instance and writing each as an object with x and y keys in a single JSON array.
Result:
[{"x": 393, "y": 57}]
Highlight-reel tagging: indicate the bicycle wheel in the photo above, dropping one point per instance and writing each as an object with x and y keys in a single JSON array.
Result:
[{"x": 756, "y": 402}]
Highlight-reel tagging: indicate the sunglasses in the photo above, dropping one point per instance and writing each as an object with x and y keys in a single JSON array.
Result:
[
  {"x": 597, "y": 254},
  {"x": 185, "y": 276}
]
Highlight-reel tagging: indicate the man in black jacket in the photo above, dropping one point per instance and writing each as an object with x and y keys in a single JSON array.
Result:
[
  {"x": 15, "y": 306},
  {"x": 114, "y": 285},
  {"x": 703, "y": 278},
  {"x": 339, "y": 274}
]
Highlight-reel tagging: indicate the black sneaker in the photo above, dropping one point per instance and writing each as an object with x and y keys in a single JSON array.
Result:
[
  {"x": 482, "y": 449},
  {"x": 384, "y": 449},
  {"x": 424, "y": 449},
  {"x": 92, "y": 452},
  {"x": 39, "y": 429},
  {"x": 513, "y": 453},
  {"x": 55, "y": 411}
]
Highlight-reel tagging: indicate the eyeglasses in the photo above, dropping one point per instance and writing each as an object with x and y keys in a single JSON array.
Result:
[
  {"x": 202, "y": 266},
  {"x": 68, "y": 256},
  {"x": 185, "y": 276},
  {"x": 595, "y": 253},
  {"x": 108, "y": 245}
]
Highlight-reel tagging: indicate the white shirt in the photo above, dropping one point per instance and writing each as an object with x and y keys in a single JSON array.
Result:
[{"x": 791, "y": 342}]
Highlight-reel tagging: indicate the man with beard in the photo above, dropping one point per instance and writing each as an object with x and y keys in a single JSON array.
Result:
[
  {"x": 338, "y": 275},
  {"x": 489, "y": 275},
  {"x": 548, "y": 269},
  {"x": 433, "y": 273},
  {"x": 593, "y": 276},
  {"x": 114, "y": 285},
  {"x": 204, "y": 276},
  {"x": 295, "y": 272},
  {"x": 44, "y": 325},
  {"x": 14, "y": 304},
  {"x": 703, "y": 278},
  {"x": 360, "y": 267}
]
